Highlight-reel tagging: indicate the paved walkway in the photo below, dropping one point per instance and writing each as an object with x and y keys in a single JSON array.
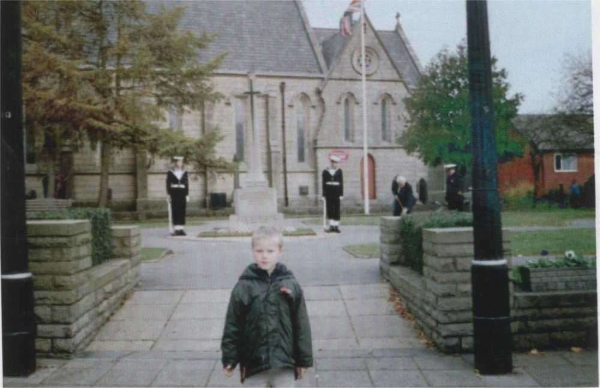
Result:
[{"x": 168, "y": 332}]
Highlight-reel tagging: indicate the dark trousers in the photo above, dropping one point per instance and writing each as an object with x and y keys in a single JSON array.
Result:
[
  {"x": 455, "y": 201},
  {"x": 178, "y": 207},
  {"x": 397, "y": 208},
  {"x": 333, "y": 207}
]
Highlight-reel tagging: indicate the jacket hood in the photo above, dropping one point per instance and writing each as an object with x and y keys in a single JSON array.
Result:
[{"x": 253, "y": 272}]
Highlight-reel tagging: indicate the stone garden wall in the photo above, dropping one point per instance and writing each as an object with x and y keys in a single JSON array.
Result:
[
  {"x": 441, "y": 298},
  {"x": 72, "y": 298}
]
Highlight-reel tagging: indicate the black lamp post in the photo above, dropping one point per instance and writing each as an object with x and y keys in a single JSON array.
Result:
[
  {"x": 489, "y": 270},
  {"x": 18, "y": 324}
]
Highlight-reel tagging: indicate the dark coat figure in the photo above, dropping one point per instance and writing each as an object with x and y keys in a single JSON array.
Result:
[
  {"x": 178, "y": 189},
  {"x": 396, "y": 205},
  {"x": 453, "y": 192},
  {"x": 406, "y": 197},
  {"x": 333, "y": 189}
]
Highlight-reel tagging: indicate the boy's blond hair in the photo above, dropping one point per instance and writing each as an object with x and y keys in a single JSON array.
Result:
[{"x": 267, "y": 232}]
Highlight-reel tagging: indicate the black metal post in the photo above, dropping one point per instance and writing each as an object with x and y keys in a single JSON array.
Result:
[
  {"x": 18, "y": 324},
  {"x": 284, "y": 145},
  {"x": 489, "y": 270}
]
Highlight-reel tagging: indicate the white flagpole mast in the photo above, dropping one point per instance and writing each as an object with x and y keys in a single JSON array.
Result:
[{"x": 364, "y": 104}]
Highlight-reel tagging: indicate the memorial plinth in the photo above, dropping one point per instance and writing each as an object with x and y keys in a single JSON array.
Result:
[{"x": 255, "y": 204}]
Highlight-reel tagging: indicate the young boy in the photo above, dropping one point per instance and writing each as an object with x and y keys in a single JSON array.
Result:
[{"x": 267, "y": 329}]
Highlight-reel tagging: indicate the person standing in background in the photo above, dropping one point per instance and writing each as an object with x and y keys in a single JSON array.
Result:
[
  {"x": 405, "y": 197},
  {"x": 454, "y": 194},
  {"x": 178, "y": 191},
  {"x": 333, "y": 192}
]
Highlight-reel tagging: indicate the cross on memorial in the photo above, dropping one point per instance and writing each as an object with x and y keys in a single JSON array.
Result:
[{"x": 254, "y": 167}]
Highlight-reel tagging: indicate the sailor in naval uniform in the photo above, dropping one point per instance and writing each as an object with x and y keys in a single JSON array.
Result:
[
  {"x": 333, "y": 192},
  {"x": 178, "y": 189}
]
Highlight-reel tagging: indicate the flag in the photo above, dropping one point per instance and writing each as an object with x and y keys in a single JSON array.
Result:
[{"x": 346, "y": 21}]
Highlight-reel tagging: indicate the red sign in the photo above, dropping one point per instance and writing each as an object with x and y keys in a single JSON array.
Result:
[{"x": 343, "y": 155}]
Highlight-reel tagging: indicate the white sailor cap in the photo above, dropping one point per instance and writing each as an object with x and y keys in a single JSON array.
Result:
[
  {"x": 334, "y": 158},
  {"x": 447, "y": 166},
  {"x": 178, "y": 158}
]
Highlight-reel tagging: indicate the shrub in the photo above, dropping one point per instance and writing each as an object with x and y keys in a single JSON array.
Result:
[
  {"x": 100, "y": 220},
  {"x": 519, "y": 197},
  {"x": 411, "y": 233}
]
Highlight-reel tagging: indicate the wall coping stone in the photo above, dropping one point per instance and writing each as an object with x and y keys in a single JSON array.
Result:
[
  {"x": 456, "y": 235},
  {"x": 38, "y": 228},
  {"x": 125, "y": 230}
]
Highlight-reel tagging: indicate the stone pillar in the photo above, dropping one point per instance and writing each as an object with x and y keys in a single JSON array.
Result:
[
  {"x": 447, "y": 256},
  {"x": 141, "y": 183},
  {"x": 72, "y": 298},
  {"x": 390, "y": 242}
]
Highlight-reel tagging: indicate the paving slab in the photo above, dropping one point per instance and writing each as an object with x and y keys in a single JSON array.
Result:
[
  {"x": 322, "y": 293},
  {"x": 518, "y": 378},
  {"x": 42, "y": 373},
  {"x": 131, "y": 330},
  {"x": 436, "y": 362},
  {"x": 155, "y": 297},
  {"x": 581, "y": 358},
  {"x": 540, "y": 359},
  {"x": 200, "y": 311},
  {"x": 217, "y": 379},
  {"x": 399, "y": 378},
  {"x": 373, "y": 307},
  {"x": 334, "y": 345},
  {"x": 182, "y": 373},
  {"x": 121, "y": 345},
  {"x": 453, "y": 378},
  {"x": 372, "y": 344},
  {"x": 132, "y": 311},
  {"x": 326, "y": 308},
  {"x": 132, "y": 373},
  {"x": 205, "y": 329},
  {"x": 182, "y": 345},
  {"x": 344, "y": 379},
  {"x": 376, "y": 326},
  {"x": 365, "y": 291},
  {"x": 327, "y": 364},
  {"x": 205, "y": 360},
  {"x": 331, "y": 328},
  {"x": 391, "y": 363},
  {"x": 207, "y": 296},
  {"x": 564, "y": 375},
  {"x": 308, "y": 380},
  {"x": 79, "y": 373}
]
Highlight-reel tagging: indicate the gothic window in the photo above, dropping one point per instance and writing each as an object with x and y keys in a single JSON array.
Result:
[
  {"x": 175, "y": 118},
  {"x": 301, "y": 127},
  {"x": 240, "y": 128},
  {"x": 349, "y": 118},
  {"x": 386, "y": 132}
]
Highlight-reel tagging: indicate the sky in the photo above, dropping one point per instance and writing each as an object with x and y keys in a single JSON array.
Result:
[{"x": 530, "y": 38}]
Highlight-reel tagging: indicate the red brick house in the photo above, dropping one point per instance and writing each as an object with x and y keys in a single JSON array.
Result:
[{"x": 560, "y": 156}]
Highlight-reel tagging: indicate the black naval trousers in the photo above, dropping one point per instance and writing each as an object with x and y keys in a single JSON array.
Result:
[
  {"x": 333, "y": 189},
  {"x": 178, "y": 190}
]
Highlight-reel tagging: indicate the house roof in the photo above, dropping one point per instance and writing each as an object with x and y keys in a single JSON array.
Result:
[
  {"x": 551, "y": 132},
  {"x": 259, "y": 35}
]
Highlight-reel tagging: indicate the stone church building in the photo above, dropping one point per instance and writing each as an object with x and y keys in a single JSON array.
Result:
[{"x": 309, "y": 105}]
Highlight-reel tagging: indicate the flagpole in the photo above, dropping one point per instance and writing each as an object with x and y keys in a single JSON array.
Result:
[{"x": 364, "y": 115}]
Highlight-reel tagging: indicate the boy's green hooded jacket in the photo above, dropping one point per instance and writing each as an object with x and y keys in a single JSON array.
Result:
[{"x": 267, "y": 324}]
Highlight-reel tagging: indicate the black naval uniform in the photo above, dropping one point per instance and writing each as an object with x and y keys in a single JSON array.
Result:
[
  {"x": 453, "y": 188},
  {"x": 178, "y": 189},
  {"x": 333, "y": 189}
]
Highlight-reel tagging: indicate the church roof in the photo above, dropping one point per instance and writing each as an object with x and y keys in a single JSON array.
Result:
[{"x": 259, "y": 35}]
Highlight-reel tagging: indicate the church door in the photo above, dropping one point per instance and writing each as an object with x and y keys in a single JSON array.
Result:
[{"x": 371, "y": 167}]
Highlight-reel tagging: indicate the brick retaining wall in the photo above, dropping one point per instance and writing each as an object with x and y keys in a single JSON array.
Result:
[
  {"x": 441, "y": 299},
  {"x": 72, "y": 298}
]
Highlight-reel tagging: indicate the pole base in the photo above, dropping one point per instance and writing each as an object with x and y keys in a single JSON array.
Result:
[
  {"x": 19, "y": 354},
  {"x": 492, "y": 345}
]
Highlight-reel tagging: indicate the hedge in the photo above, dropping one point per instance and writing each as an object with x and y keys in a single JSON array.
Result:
[
  {"x": 99, "y": 218},
  {"x": 411, "y": 233}
]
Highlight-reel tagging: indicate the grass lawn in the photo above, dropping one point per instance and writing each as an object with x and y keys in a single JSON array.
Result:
[
  {"x": 151, "y": 254},
  {"x": 190, "y": 221},
  {"x": 556, "y": 242},
  {"x": 558, "y": 217},
  {"x": 363, "y": 250}
]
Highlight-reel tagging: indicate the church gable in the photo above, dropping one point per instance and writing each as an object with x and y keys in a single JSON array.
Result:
[{"x": 343, "y": 54}]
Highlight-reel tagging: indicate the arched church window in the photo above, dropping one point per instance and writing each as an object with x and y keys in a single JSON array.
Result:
[
  {"x": 349, "y": 118},
  {"x": 175, "y": 117},
  {"x": 240, "y": 128},
  {"x": 301, "y": 127},
  {"x": 386, "y": 132}
]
